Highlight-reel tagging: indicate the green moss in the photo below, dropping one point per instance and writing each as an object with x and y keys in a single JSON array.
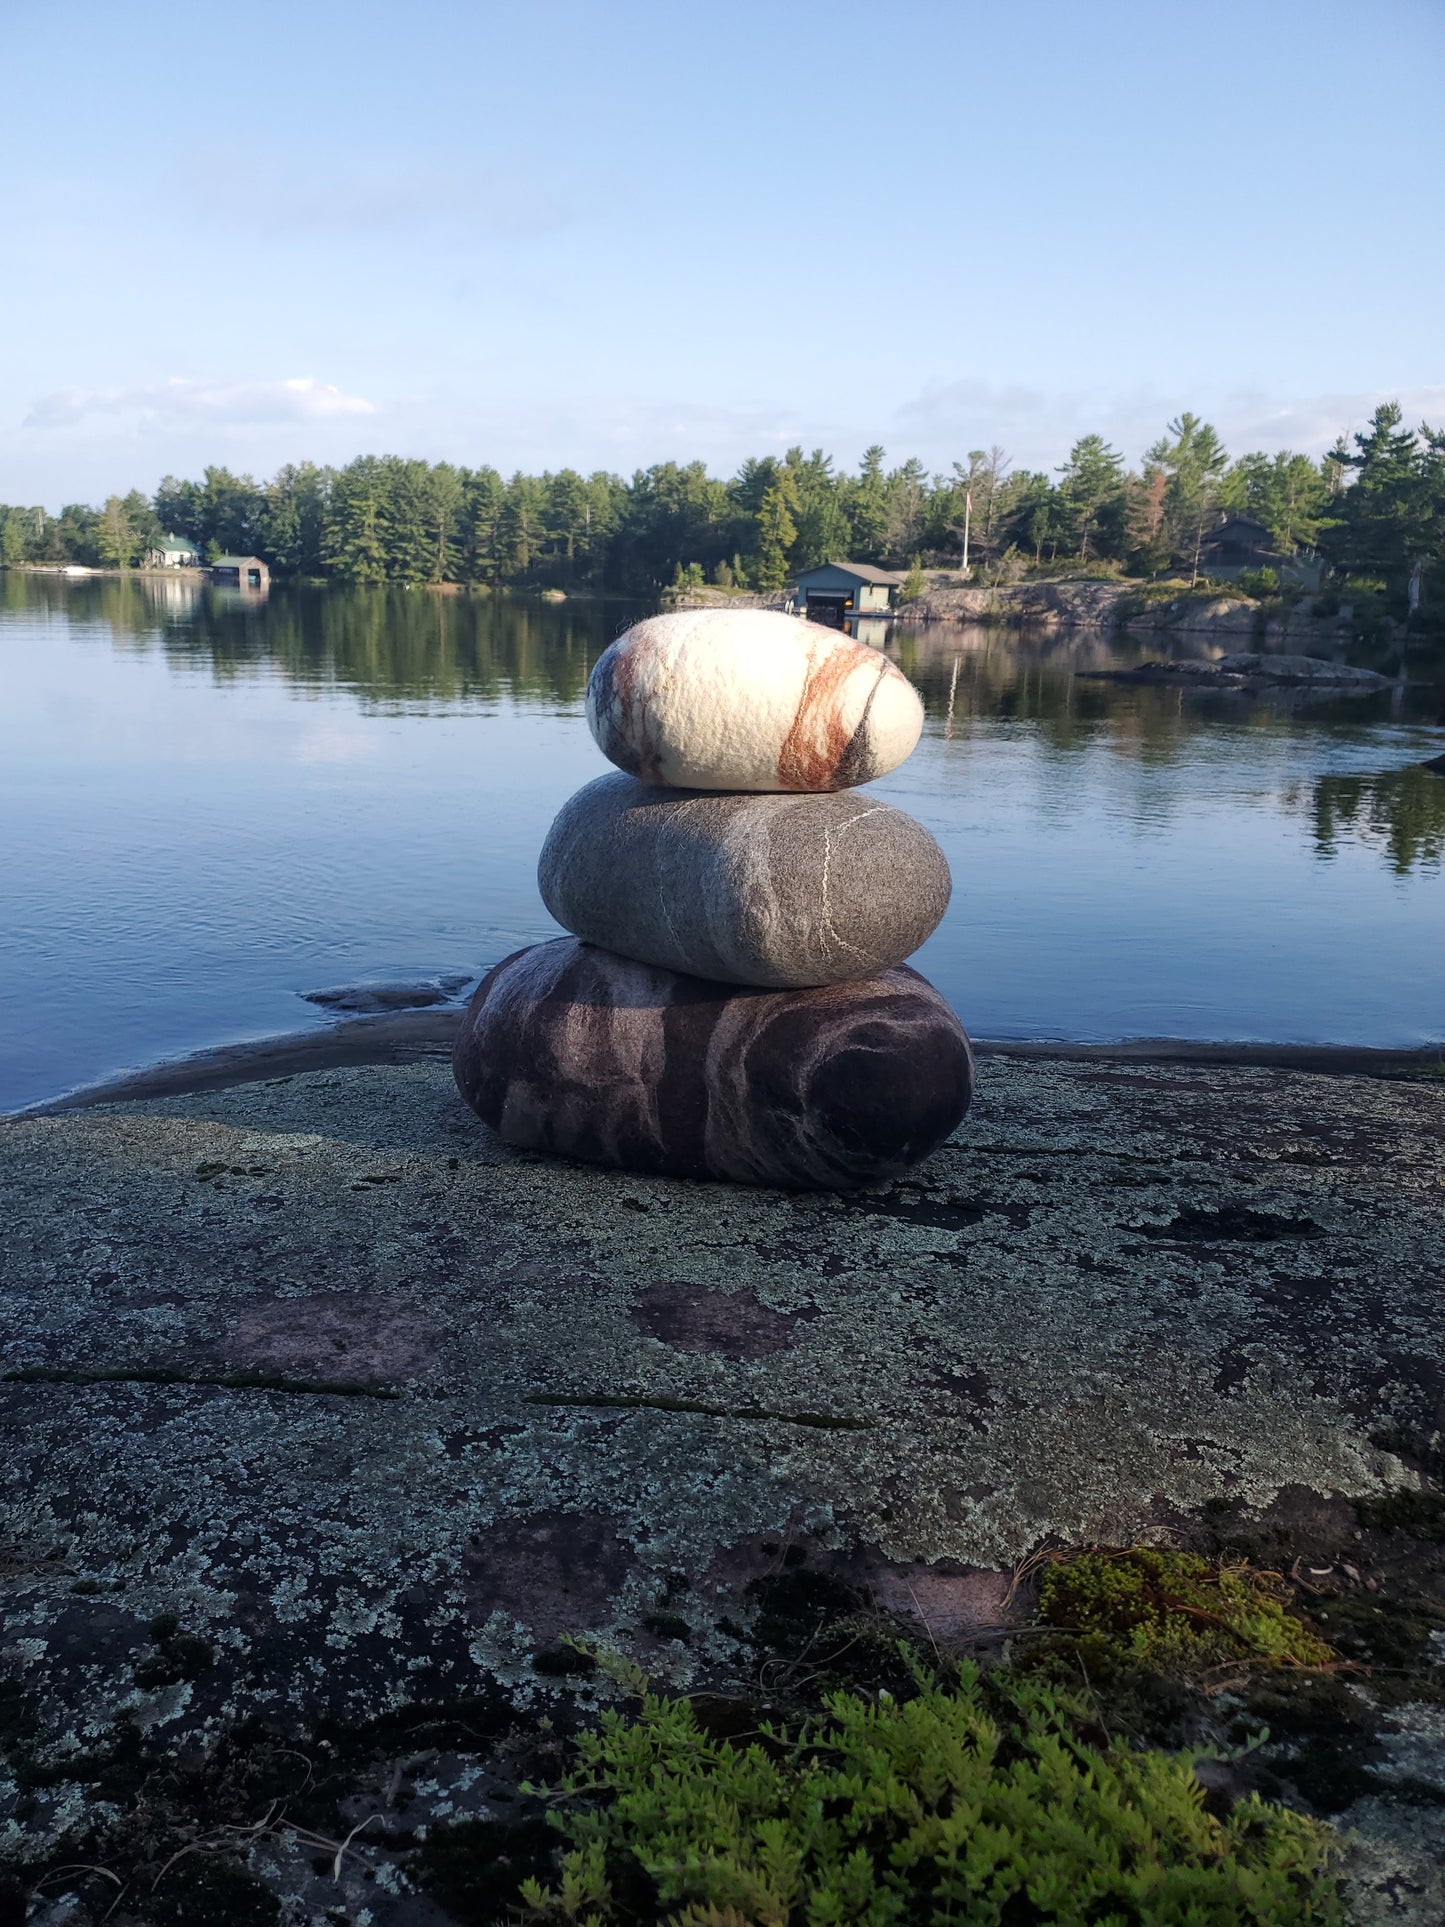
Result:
[
  {"x": 1177, "y": 1614},
  {"x": 978, "y": 1800}
]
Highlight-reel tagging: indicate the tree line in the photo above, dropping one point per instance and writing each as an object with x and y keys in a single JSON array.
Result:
[{"x": 1375, "y": 506}]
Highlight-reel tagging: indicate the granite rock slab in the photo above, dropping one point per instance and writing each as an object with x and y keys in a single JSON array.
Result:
[
  {"x": 371, "y": 1402},
  {"x": 575, "y": 1050},
  {"x": 777, "y": 891},
  {"x": 750, "y": 700}
]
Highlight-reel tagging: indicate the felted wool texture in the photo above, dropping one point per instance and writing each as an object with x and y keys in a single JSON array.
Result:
[
  {"x": 571, "y": 1049},
  {"x": 746, "y": 889},
  {"x": 747, "y": 699}
]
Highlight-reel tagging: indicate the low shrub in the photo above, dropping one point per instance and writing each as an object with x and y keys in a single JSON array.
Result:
[
  {"x": 979, "y": 1800},
  {"x": 1259, "y": 584}
]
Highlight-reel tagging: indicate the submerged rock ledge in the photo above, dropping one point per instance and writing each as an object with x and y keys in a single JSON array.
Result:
[
  {"x": 411, "y": 1036},
  {"x": 375, "y": 1409}
]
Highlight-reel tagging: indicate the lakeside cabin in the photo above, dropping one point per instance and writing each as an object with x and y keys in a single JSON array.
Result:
[
  {"x": 1239, "y": 543},
  {"x": 174, "y": 552},
  {"x": 240, "y": 572},
  {"x": 835, "y": 591}
]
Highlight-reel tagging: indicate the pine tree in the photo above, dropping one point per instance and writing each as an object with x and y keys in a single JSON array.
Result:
[
  {"x": 442, "y": 501},
  {"x": 1091, "y": 497},
  {"x": 1286, "y": 492},
  {"x": 483, "y": 492},
  {"x": 777, "y": 532},
  {"x": 1381, "y": 523},
  {"x": 293, "y": 523},
  {"x": 355, "y": 542},
  {"x": 822, "y": 521},
  {"x": 867, "y": 505},
  {"x": 406, "y": 519},
  {"x": 521, "y": 532},
  {"x": 117, "y": 538},
  {"x": 1192, "y": 459}
]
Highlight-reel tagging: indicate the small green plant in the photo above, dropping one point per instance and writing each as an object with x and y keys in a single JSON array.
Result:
[
  {"x": 1259, "y": 584},
  {"x": 913, "y": 582},
  {"x": 979, "y": 1800},
  {"x": 1178, "y": 1614}
]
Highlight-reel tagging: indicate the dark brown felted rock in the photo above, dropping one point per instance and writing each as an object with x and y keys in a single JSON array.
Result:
[{"x": 572, "y": 1049}]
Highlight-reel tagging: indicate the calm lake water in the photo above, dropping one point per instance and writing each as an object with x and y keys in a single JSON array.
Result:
[{"x": 207, "y": 809}]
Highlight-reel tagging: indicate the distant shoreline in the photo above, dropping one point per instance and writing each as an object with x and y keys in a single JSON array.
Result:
[{"x": 1136, "y": 606}]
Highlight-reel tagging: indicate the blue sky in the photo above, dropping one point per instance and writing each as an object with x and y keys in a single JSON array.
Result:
[{"x": 609, "y": 232}]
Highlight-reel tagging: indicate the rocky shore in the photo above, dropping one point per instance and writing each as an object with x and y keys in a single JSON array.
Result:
[
  {"x": 1111, "y": 606},
  {"x": 1108, "y": 607},
  {"x": 328, "y": 1419}
]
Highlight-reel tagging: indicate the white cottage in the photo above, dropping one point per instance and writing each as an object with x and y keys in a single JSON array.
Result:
[{"x": 174, "y": 552}]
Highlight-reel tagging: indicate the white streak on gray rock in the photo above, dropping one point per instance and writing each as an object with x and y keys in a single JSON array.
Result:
[{"x": 744, "y": 889}]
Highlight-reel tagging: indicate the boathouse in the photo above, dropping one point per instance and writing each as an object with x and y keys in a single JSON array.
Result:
[
  {"x": 836, "y": 590},
  {"x": 240, "y": 572}
]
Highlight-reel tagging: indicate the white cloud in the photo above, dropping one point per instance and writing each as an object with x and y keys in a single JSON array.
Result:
[
  {"x": 1038, "y": 427},
  {"x": 85, "y": 443},
  {"x": 182, "y": 402}
]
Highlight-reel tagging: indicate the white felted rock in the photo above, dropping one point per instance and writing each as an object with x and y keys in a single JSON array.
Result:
[{"x": 745, "y": 699}]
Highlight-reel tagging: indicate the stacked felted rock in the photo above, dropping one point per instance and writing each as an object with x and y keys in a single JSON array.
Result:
[{"x": 733, "y": 1001}]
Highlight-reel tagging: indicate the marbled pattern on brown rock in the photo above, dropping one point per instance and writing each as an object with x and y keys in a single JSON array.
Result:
[{"x": 572, "y": 1049}]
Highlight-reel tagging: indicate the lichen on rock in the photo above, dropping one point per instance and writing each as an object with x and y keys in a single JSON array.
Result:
[{"x": 377, "y": 1410}]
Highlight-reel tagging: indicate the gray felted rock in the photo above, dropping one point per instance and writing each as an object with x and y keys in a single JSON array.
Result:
[{"x": 773, "y": 890}]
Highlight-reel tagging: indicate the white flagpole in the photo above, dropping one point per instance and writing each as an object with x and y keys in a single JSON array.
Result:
[{"x": 967, "y": 513}]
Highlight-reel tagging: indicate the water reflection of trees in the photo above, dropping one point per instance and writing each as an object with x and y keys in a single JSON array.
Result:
[
  {"x": 1035, "y": 679},
  {"x": 391, "y": 646},
  {"x": 413, "y": 647},
  {"x": 1401, "y": 812}
]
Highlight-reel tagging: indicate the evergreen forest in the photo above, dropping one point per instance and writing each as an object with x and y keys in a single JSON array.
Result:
[{"x": 1374, "y": 507}]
